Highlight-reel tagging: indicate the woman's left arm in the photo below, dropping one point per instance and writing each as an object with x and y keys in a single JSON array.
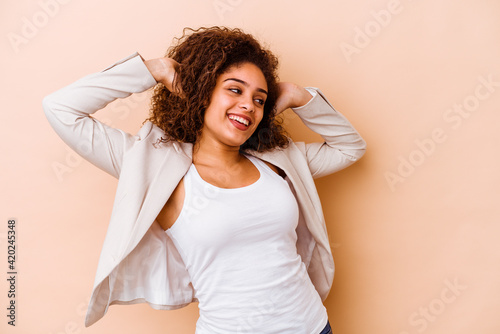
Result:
[{"x": 343, "y": 145}]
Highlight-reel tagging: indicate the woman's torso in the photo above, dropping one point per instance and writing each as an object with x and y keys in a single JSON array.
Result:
[
  {"x": 239, "y": 247},
  {"x": 235, "y": 178}
]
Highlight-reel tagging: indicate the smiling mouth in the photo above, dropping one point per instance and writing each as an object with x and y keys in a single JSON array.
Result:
[{"x": 240, "y": 120}]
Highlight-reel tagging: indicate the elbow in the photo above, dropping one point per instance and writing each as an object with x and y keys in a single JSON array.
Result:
[
  {"x": 357, "y": 152},
  {"x": 48, "y": 105},
  {"x": 52, "y": 109},
  {"x": 362, "y": 149}
]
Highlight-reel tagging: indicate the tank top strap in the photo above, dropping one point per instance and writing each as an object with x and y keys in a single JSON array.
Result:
[
  {"x": 189, "y": 179},
  {"x": 262, "y": 166}
]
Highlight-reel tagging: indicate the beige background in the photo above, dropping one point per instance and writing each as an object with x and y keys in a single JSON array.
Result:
[{"x": 414, "y": 226}]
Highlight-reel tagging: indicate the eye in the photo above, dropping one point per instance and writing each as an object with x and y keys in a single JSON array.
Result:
[
  {"x": 235, "y": 90},
  {"x": 260, "y": 101}
]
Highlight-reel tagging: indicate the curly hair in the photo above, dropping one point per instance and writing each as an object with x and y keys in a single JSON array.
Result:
[{"x": 203, "y": 55}]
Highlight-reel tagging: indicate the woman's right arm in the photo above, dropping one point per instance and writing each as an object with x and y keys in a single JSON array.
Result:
[{"x": 69, "y": 111}]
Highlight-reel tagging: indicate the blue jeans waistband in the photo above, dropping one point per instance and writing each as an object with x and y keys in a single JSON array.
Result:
[{"x": 327, "y": 329}]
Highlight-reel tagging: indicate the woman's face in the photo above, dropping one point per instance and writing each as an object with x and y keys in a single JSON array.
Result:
[{"x": 236, "y": 105}]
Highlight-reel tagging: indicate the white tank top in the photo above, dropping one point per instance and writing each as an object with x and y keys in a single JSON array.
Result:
[{"x": 239, "y": 247}]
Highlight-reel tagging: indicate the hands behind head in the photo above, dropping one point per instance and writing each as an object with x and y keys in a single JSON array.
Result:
[
  {"x": 164, "y": 71},
  {"x": 291, "y": 95}
]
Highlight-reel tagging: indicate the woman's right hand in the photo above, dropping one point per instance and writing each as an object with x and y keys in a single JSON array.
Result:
[{"x": 164, "y": 70}]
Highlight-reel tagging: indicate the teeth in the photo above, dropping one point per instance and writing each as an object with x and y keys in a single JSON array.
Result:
[{"x": 239, "y": 119}]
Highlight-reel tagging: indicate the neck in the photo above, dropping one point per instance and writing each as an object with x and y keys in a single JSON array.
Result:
[{"x": 213, "y": 153}]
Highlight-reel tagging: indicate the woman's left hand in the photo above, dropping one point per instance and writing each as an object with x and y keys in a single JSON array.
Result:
[{"x": 291, "y": 95}]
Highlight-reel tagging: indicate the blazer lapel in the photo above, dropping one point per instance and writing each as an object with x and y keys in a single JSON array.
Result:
[{"x": 177, "y": 160}]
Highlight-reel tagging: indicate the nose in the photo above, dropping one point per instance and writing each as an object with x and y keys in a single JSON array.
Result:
[{"x": 246, "y": 103}]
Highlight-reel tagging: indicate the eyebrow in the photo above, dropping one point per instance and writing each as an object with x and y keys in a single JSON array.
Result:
[{"x": 246, "y": 84}]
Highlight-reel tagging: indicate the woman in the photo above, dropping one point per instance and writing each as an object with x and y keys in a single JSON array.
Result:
[{"x": 214, "y": 203}]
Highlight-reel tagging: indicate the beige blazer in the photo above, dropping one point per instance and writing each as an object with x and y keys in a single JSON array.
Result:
[{"x": 138, "y": 261}]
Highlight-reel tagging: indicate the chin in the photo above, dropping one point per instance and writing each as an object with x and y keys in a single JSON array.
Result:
[
  {"x": 238, "y": 143},
  {"x": 236, "y": 140}
]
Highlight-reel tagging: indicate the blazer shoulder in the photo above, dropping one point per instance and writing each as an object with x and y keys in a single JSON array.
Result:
[
  {"x": 145, "y": 130},
  {"x": 153, "y": 137}
]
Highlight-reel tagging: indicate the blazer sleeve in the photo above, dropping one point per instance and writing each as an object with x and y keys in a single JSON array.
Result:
[
  {"x": 69, "y": 111},
  {"x": 342, "y": 146}
]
